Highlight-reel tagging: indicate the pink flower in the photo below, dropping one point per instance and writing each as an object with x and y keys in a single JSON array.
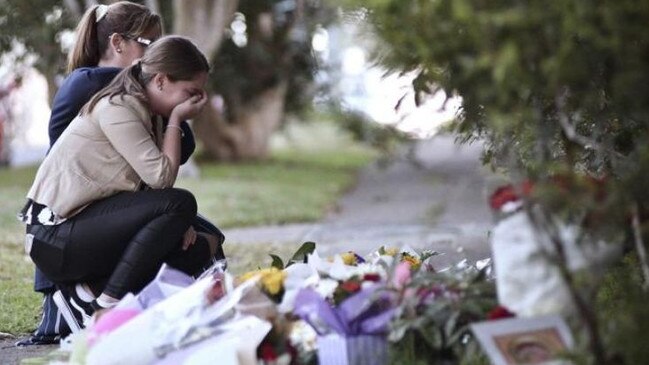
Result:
[
  {"x": 109, "y": 322},
  {"x": 402, "y": 274},
  {"x": 429, "y": 294},
  {"x": 216, "y": 291}
]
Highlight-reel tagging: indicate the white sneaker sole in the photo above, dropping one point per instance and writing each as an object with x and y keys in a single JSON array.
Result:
[{"x": 66, "y": 311}]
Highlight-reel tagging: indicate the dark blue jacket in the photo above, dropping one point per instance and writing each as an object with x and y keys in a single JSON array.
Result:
[{"x": 76, "y": 91}]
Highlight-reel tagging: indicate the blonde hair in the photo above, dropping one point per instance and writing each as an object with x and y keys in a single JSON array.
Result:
[
  {"x": 128, "y": 19},
  {"x": 174, "y": 56}
]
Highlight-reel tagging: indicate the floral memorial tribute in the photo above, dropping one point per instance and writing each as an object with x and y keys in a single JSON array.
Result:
[{"x": 386, "y": 307}]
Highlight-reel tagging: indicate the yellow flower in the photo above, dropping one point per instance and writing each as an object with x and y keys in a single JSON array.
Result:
[
  {"x": 414, "y": 261},
  {"x": 273, "y": 282},
  {"x": 251, "y": 274},
  {"x": 349, "y": 258},
  {"x": 271, "y": 279}
]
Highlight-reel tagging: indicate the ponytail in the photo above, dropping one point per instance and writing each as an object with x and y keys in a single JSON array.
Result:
[
  {"x": 100, "y": 22},
  {"x": 130, "y": 81},
  {"x": 86, "y": 46}
]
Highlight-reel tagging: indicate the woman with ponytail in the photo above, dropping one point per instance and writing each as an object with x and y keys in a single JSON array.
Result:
[
  {"x": 108, "y": 38},
  {"x": 102, "y": 211}
]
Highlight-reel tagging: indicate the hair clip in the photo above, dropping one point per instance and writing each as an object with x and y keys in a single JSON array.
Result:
[
  {"x": 100, "y": 12},
  {"x": 143, "y": 41}
]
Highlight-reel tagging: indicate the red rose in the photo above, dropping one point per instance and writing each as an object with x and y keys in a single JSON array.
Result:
[
  {"x": 499, "y": 312},
  {"x": 507, "y": 193},
  {"x": 267, "y": 352},
  {"x": 502, "y": 196},
  {"x": 372, "y": 277},
  {"x": 350, "y": 286}
]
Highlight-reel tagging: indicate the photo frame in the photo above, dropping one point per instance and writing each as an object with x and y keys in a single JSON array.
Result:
[{"x": 524, "y": 341}]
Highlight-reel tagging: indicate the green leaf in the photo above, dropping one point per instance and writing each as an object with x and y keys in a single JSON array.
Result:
[
  {"x": 301, "y": 254},
  {"x": 277, "y": 262},
  {"x": 449, "y": 326}
]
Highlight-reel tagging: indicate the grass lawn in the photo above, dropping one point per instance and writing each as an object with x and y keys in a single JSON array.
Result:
[{"x": 293, "y": 186}]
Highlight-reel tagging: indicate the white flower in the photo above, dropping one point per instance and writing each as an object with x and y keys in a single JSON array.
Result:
[{"x": 303, "y": 336}]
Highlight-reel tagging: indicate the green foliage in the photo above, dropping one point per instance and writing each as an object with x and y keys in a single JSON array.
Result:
[
  {"x": 247, "y": 257},
  {"x": 559, "y": 92},
  {"x": 36, "y": 25},
  {"x": 624, "y": 312},
  {"x": 524, "y": 67},
  {"x": 432, "y": 325},
  {"x": 277, "y": 262},
  {"x": 300, "y": 256},
  {"x": 280, "y": 53}
]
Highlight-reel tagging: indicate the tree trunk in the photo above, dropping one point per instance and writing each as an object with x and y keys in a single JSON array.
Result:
[
  {"x": 247, "y": 135},
  {"x": 204, "y": 21},
  {"x": 52, "y": 85}
]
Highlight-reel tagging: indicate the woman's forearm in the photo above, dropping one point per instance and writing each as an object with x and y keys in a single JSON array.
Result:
[{"x": 171, "y": 144}]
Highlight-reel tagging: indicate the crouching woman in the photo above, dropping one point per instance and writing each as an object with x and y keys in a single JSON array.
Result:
[{"x": 102, "y": 214}]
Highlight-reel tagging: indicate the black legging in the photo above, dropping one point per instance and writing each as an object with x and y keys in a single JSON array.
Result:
[{"x": 122, "y": 241}]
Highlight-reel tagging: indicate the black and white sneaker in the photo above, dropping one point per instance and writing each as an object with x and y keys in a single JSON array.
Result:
[{"x": 75, "y": 310}]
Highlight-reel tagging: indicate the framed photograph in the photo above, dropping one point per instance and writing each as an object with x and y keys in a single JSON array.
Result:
[{"x": 524, "y": 341}]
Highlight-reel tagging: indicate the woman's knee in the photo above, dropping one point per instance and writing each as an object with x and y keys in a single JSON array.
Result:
[
  {"x": 180, "y": 201},
  {"x": 194, "y": 260}
]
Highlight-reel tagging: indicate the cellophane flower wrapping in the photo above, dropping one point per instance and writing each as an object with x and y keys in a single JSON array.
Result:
[{"x": 528, "y": 278}]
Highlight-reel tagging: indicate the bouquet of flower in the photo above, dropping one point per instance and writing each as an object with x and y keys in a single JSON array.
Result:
[
  {"x": 434, "y": 311},
  {"x": 352, "y": 331},
  {"x": 271, "y": 281},
  {"x": 332, "y": 280}
]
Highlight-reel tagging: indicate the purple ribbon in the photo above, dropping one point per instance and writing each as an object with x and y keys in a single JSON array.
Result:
[{"x": 364, "y": 313}]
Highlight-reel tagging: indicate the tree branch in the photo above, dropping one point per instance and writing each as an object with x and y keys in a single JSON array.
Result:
[
  {"x": 543, "y": 224},
  {"x": 571, "y": 133}
]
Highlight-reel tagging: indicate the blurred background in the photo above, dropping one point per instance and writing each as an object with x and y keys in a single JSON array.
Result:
[{"x": 276, "y": 63}]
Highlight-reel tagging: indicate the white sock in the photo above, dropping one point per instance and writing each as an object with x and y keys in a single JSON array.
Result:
[
  {"x": 84, "y": 293},
  {"x": 105, "y": 301}
]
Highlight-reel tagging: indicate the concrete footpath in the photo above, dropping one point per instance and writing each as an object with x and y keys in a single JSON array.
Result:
[{"x": 433, "y": 196}]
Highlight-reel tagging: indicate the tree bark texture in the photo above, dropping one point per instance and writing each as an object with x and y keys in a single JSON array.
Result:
[
  {"x": 247, "y": 135},
  {"x": 204, "y": 21}
]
